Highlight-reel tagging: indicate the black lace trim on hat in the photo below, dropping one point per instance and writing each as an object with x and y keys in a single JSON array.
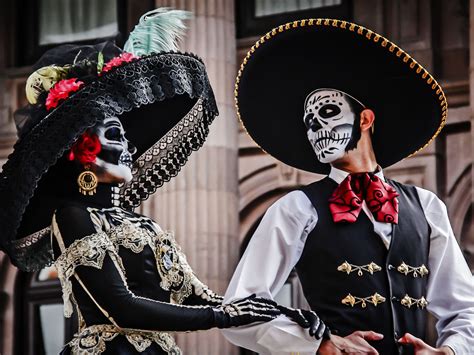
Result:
[
  {"x": 42, "y": 253},
  {"x": 165, "y": 159}
]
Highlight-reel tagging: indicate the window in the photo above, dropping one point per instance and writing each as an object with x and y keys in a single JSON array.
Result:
[
  {"x": 256, "y": 17},
  {"x": 40, "y": 326},
  {"x": 273, "y": 7},
  {"x": 62, "y": 21},
  {"x": 43, "y": 24}
]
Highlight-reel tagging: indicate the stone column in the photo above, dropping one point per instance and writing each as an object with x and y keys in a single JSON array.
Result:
[
  {"x": 471, "y": 95},
  {"x": 201, "y": 204}
]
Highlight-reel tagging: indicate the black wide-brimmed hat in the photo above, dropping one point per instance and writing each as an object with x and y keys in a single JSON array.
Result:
[
  {"x": 162, "y": 97},
  {"x": 293, "y": 60}
]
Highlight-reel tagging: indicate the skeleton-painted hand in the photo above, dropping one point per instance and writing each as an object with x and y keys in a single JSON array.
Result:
[
  {"x": 245, "y": 311},
  {"x": 307, "y": 319},
  {"x": 329, "y": 118}
]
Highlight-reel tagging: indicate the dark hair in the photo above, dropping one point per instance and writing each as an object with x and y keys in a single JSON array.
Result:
[{"x": 357, "y": 108}]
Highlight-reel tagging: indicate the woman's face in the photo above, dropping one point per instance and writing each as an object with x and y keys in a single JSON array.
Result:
[{"x": 114, "y": 162}]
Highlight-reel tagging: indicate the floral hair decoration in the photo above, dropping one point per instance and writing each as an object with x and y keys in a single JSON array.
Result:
[
  {"x": 118, "y": 61},
  {"x": 85, "y": 149},
  {"x": 61, "y": 91}
]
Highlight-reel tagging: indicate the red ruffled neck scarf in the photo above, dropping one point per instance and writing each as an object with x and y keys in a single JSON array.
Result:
[{"x": 381, "y": 199}]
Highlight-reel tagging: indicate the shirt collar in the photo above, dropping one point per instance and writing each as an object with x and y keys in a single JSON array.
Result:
[{"x": 338, "y": 175}]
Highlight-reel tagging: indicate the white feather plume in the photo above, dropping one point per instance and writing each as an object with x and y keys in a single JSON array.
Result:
[{"x": 159, "y": 30}]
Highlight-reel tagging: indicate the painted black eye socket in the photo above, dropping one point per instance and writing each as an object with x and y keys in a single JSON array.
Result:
[
  {"x": 328, "y": 111},
  {"x": 311, "y": 122},
  {"x": 113, "y": 134}
]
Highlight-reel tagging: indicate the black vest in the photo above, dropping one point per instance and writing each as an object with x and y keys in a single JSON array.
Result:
[{"x": 353, "y": 282}]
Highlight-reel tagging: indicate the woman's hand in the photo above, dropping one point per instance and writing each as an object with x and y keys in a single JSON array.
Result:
[
  {"x": 307, "y": 319},
  {"x": 245, "y": 311}
]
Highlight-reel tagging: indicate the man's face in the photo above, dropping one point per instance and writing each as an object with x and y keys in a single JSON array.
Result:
[
  {"x": 329, "y": 120},
  {"x": 115, "y": 157}
]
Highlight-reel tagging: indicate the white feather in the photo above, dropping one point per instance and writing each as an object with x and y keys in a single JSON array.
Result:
[{"x": 159, "y": 30}]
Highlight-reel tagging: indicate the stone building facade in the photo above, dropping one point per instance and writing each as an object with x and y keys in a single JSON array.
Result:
[{"x": 218, "y": 199}]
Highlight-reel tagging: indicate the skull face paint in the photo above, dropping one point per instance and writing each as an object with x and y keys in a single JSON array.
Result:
[
  {"x": 115, "y": 157},
  {"x": 329, "y": 119}
]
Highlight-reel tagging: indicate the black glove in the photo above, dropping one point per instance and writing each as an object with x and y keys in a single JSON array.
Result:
[
  {"x": 245, "y": 311},
  {"x": 307, "y": 319}
]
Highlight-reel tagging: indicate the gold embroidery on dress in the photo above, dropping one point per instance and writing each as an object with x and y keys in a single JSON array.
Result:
[
  {"x": 91, "y": 340},
  {"x": 348, "y": 268},
  {"x": 375, "y": 299},
  {"x": 131, "y": 237},
  {"x": 407, "y": 269},
  {"x": 175, "y": 272},
  {"x": 408, "y": 301},
  {"x": 135, "y": 232},
  {"x": 87, "y": 251},
  {"x": 91, "y": 251}
]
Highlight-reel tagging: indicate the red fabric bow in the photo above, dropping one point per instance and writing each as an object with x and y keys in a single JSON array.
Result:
[{"x": 381, "y": 198}]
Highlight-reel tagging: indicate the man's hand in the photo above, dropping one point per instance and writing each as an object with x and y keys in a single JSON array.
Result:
[
  {"x": 421, "y": 348},
  {"x": 356, "y": 343}
]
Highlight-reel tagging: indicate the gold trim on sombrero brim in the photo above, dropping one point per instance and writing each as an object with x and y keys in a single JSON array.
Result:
[{"x": 367, "y": 34}]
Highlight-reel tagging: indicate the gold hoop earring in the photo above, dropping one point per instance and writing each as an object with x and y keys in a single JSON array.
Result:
[{"x": 87, "y": 182}]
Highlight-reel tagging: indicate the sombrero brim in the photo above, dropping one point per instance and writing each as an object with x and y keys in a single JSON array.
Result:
[
  {"x": 172, "y": 88},
  {"x": 292, "y": 60}
]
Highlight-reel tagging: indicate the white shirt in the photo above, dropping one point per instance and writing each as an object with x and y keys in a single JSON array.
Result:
[{"x": 276, "y": 247}]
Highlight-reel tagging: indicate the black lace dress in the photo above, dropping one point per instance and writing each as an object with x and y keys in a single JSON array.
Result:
[{"x": 128, "y": 280}]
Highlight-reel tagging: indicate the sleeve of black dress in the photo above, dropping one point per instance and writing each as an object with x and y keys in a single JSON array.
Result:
[
  {"x": 107, "y": 287},
  {"x": 203, "y": 295}
]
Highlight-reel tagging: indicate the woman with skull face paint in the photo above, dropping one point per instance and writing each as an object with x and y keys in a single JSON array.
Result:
[
  {"x": 69, "y": 189},
  {"x": 373, "y": 255}
]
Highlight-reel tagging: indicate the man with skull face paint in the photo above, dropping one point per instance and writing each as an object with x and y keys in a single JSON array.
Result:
[
  {"x": 332, "y": 118},
  {"x": 68, "y": 190},
  {"x": 373, "y": 255}
]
